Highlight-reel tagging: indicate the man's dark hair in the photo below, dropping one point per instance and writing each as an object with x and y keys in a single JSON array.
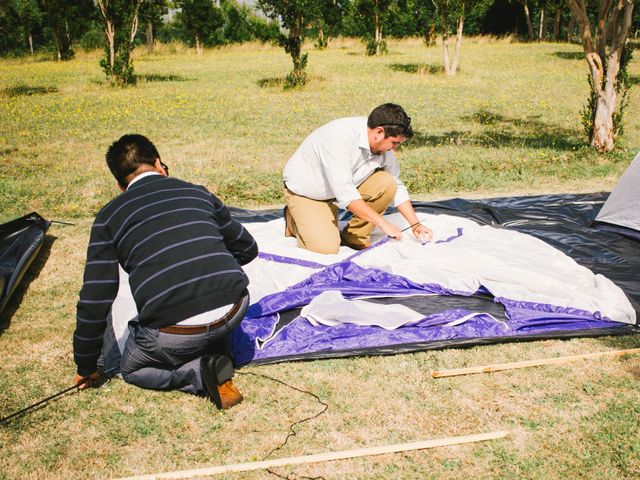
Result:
[
  {"x": 129, "y": 153},
  {"x": 393, "y": 119}
]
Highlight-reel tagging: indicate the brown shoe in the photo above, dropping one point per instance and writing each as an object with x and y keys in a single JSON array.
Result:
[
  {"x": 216, "y": 372},
  {"x": 288, "y": 222},
  {"x": 229, "y": 395}
]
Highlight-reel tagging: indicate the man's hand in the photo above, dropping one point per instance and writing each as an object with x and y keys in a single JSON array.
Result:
[
  {"x": 361, "y": 210},
  {"x": 390, "y": 230},
  {"x": 422, "y": 233},
  {"x": 84, "y": 382}
]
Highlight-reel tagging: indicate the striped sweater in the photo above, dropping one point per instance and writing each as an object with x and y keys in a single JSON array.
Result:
[{"x": 181, "y": 249}]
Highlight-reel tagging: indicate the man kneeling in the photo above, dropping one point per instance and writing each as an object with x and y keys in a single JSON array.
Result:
[
  {"x": 183, "y": 253},
  {"x": 349, "y": 163}
]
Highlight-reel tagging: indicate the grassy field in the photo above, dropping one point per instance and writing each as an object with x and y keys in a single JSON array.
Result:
[{"x": 509, "y": 123}]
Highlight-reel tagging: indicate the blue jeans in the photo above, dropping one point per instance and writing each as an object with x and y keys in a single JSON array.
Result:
[{"x": 165, "y": 361}]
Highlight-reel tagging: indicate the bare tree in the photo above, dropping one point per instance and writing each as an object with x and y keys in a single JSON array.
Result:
[
  {"x": 452, "y": 14},
  {"x": 445, "y": 8},
  {"x": 542, "y": 29},
  {"x": 614, "y": 17},
  {"x": 120, "y": 21}
]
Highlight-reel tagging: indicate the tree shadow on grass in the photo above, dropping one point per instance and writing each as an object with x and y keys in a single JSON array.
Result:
[
  {"x": 569, "y": 55},
  {"x": 501, "y": 131},
  {"x": 29, "y": 276},
  {"x": 278, "y": 82},
  {"x": 27, "y": 90},
  {"x": 634, "y": 79},
  {"x": 419, "y": 68},
  {"x": 157, "y": 77},
  {"x": 271, "y": 82}
]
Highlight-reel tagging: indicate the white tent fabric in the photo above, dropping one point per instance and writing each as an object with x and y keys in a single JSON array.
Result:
[
  {"x": 509, "y": 264},
  {"x": 462, "y": 257},
  {"x": 623, "y": 205},
  {"x": 331, "y": 308}
]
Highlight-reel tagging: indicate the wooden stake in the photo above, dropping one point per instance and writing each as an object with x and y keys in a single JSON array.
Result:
[
  {"x": 324, "y": 457},
  {"x": 530, "y": 363}
]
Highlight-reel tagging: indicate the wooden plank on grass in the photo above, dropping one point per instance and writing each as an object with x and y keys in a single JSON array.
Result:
[
  {"x": 324, "y": 457},
  {"x": 530, "y": 363}
]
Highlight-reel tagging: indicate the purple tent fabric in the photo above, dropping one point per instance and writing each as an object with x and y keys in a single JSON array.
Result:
[{"x": 258, "y": 339}]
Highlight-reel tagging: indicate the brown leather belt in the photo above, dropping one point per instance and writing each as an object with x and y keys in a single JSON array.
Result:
[{"x": 195, "y": 329}]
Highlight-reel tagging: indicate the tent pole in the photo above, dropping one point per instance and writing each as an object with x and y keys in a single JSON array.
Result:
[
  {"x": 324, "y": 457},
  {"x": 530, "y": 363}
]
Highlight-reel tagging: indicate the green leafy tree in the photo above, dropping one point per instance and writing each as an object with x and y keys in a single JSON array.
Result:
[
  {"x": 329, "y": 22},
  {"x": 607, "y": 54},
  {"x": 120, "y": 22},
  {"x": 237, "y": 28},
  {"x": 10, "y": 33},
  {"x": 375, "y": 12},
  {"x": 297, "y": 17},
  {"x": 201, "y": 18},
  {"x": 558, "y": 8},
  {"x": 67, "y": 21},
  {"x": 452, "y": 14},
  {"x": 29, "y": 18},
  {"x": 265, "y": 30},
  {"x": 151, "y": 13}
]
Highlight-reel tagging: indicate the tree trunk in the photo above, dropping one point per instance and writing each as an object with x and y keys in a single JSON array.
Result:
[
  {"x": 321, "y": 40},
  {"x": 556, "y": 23},
  {"x": 525, "y": 6},
  {"x": 199, "y": 48},
  {"x": 111, "y": 38},
  {"x": 377, "y": 32},
  {"x": 31, "y": 42},
  {"x": 295, "y": 50},
  {"x": 456, "y": 53},
  {"x": 542, "y": 30},
  {"x": 571, "y": 27},
  {"x": 444, "y": 15},
  {"x": 67, "y": 35},
  {"x": 149, "y": 37},
  {"x": 56, "y": 36},
  {"x": 603, "y": 86}
]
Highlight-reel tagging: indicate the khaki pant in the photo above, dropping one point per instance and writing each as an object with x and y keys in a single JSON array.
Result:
[{"x": 315, "y": 224}]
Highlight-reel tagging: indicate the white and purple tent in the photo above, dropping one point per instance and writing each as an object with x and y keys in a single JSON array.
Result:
[{"x": 498, "y": 270}]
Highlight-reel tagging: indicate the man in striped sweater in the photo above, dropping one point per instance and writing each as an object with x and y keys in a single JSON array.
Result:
[{"x": 183, "y": 253}]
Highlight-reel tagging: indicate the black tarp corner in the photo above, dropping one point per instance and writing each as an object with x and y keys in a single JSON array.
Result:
[{"x": 20, "y": 243}]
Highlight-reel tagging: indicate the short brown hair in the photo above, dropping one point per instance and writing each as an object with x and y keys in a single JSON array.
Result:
[{"x": 392, "y": 118}]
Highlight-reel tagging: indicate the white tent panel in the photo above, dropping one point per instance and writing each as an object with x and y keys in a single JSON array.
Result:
[{"x": 623, "y": 205}]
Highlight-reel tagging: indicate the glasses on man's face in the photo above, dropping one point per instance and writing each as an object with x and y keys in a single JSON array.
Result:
[{"x": 165, "y": 167}]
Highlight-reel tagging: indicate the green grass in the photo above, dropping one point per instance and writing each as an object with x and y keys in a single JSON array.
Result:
[{"x": 509, "y": 123}]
